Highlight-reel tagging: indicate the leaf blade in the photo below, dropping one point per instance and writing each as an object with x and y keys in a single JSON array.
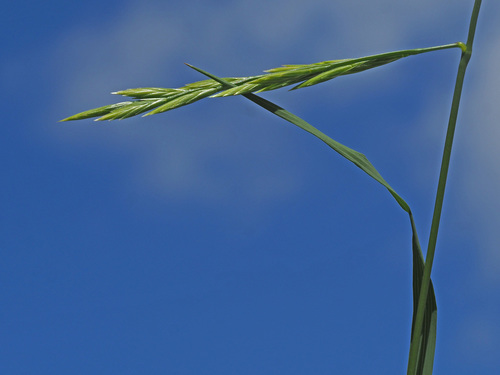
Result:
[{"x": 427, "y": 341}]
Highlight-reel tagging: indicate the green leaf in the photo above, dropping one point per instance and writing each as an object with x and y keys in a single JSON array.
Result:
[
  {"x": 353, "y": 156},
  {"x": 427, "y": 340}
]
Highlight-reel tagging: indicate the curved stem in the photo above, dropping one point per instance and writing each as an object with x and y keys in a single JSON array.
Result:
[
  {"x": 407, "y": 52},
  {"x": 466, "y": 55}
]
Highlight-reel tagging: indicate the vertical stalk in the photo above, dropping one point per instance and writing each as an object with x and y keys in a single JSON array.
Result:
[{"x": 466, "y": 55}]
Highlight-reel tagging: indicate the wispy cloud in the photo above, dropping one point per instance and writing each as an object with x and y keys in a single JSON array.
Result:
[
  {"x": 208, "y": 153},
  {"x": 144, "y": 44},
  {"x": 139, "y": 47},
  {"x": 481, "y": 176}
]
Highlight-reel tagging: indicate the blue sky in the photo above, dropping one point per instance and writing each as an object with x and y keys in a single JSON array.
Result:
[{"x": 218, "y": 239}]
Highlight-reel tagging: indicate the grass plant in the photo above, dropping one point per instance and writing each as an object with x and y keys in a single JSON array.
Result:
[{"x": 152, "y": 100}]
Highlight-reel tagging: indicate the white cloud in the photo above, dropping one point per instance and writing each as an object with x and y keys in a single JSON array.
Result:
[
  {"x": 144, "y": 44},
  {"x": 138, "y": 47},
  {"x": 481, "y": 177}
]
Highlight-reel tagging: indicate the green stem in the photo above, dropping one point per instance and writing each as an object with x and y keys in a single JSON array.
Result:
[
  {"x": 426, "y": 278},
  {"x": 408, "y": 52}
]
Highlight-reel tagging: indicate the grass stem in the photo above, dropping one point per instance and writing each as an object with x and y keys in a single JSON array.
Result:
[{"x": 431, "y": 248}]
